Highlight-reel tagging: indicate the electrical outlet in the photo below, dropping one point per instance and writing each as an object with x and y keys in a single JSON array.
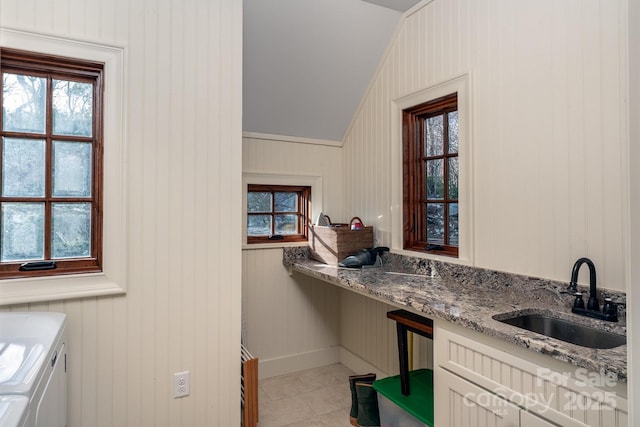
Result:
[{"x": 181, "y": 384}]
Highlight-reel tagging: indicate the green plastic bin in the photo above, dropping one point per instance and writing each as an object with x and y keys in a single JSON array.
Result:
[{"x": 398, "y": 410}]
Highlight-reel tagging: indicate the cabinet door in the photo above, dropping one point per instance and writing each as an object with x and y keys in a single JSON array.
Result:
[
  {"x": 565, "y": 400},
  {"x": 527, "y": 419},
  {"x": 458, "y": 403}
]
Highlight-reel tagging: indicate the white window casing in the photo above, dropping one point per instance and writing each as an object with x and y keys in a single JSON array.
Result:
[
  {"x": 462, "y": 86},
  {"x": 315, "y": 182},
  {"x": 113, "y": 278}
]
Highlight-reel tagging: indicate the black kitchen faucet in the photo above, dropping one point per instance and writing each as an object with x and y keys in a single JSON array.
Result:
[{"x": 609, "y": 311}]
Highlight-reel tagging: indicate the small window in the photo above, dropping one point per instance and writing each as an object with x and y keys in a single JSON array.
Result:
[
  {"x": 430, "y": 176},
  {"x": 50, "y": 165},
  {"x": 277, "y": 213}
]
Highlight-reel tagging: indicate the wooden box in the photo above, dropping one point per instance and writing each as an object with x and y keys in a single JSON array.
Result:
[{"x": 331, "y": 244}]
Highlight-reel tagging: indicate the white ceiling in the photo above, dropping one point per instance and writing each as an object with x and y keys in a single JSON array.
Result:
[
  {"x": 399, "y": 5},
  {"x": 307, "y": 63}
]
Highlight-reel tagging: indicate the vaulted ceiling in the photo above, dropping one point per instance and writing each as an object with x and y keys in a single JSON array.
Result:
[{"x": 307, "y": 63}]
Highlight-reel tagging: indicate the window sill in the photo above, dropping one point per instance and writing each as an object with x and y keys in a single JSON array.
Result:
[
  {"x": 21, "y": 291},
  {"x": 273, "y": 245}
]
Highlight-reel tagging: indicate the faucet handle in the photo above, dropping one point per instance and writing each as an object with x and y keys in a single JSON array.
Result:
[
  {"x": 578, "y": 302},
  {"x": 610, "y": 307}
]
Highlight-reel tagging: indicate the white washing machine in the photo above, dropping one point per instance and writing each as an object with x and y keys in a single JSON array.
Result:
[
  {"x": 33, "y": 377},
  {"x": 13, "y": 411}
]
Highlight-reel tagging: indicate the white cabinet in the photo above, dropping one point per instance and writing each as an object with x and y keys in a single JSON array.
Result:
[
  {"x": 459, "y": 403},
  {"x": 527, "y": 419},
  {"x": 473, "y": 368},
  {"x": 463, "y": 404}
]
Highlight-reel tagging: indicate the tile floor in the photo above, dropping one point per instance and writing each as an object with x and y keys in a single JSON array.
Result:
[{"x": 318, "y": 397}]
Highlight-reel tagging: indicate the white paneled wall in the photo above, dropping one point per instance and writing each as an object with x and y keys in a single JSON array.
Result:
[
  {"x": 366, "y": 332},
  {"x": 633, "y": 292},
  {"x": 266, "y": 154},
  {"x": 182, "y": 310},
  {"x": 548, "y": 120},
  {"x": 291, "y": 322}
]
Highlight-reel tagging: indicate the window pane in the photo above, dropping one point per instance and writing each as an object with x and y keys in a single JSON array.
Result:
[
  {"x": 433, "y": 136},
  {"x": 258, "y": 202},
  {"x": 286, "y": 202},
  {"x": 435, "y": 179},
  {"x": 71, "y": 230},
  {"x": 23, "y": 167},
  {"x": 259, "y": 225},
  {"x": 72, "y": 108},
  {"x": 435, "y": 223},
  {"x": 22, "y": 231},
  {"x": 71, "y": 169},
  {"x": 23, "y": 103},
  {"x": 453, "y": 224},
  {"x": 286, "y": 224},
  {"x": 452, "y": 177},
  {"x": 453, "y": 132}
]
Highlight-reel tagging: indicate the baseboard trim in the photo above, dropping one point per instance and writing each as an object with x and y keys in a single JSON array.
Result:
[
  {"x": 359, "y": 365},
  {"x": 298, "y": 362},
  {"x": 284, "y": 365}
]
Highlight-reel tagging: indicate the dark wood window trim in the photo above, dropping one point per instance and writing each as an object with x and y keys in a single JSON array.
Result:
[
  {"x": 55, "y": 67},
  {"x": 303, "y": 212},
  {"x": 414, "y": 176}
]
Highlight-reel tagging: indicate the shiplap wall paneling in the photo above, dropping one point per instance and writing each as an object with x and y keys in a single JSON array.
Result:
[
  {"x": 291, "y": 322},
  {"x": 547, "y": 111},
  {"x": 366, "y": 332},
  {"x": 547, "y": 115},
  {"x": 182, "y": 310},
  {"x": 277, "y": 157},
  {"x": 633, "y": 268}
]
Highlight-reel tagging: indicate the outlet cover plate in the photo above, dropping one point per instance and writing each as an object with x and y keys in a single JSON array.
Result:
[{"x": 181, "y": 384}]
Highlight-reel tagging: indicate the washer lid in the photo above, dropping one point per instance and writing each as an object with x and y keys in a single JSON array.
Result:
[
  {"x": 26, "y": 339},
  {"x": 13, "y": 410}
]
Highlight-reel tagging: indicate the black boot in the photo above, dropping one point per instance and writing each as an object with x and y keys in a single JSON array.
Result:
[
  {"x": 368, "y": 412},
  {"x": 366, "y": 378}
]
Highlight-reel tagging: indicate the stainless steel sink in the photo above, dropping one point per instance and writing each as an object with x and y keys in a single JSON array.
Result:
[{"x": 565, "y": 330}]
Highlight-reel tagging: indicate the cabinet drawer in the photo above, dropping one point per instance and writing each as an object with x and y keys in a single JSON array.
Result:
[{"x": 569, "y": 396}]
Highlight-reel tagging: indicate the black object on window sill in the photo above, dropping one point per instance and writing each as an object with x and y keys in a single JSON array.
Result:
[
  {"x": 276, "y": 237},
  {"x": 38, "y": 265}
]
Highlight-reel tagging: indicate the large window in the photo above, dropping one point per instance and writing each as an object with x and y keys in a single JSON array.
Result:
[
  {"x": 430, "y": 175},
  {"x": 50, "y": 165},
  {"x": 277, "y": 213}
]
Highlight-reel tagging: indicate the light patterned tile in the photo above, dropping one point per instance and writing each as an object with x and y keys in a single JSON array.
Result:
[
  {"x": 318, "y": 397},
  {"x": 328, "y": 399},
  {"x": 282, "y": 412},
  {"x": 334, "y": 419},
  {"x": 338, "y": 418},
  {"x": 285, "y": 386},
  {"x": 326, "y": 375}
]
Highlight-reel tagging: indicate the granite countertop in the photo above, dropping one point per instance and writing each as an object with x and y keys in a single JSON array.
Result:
[{"x": 470, "y": 297}]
